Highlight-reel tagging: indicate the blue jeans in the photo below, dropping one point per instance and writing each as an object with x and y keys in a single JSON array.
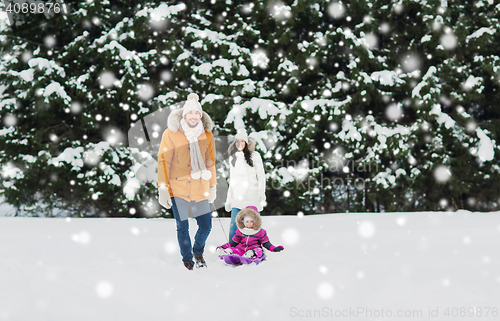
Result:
[
  {"x": 203, "y": 216},
  {"x": 232, "y": 226}
]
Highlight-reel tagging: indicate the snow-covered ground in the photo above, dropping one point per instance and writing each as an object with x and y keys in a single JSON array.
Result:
[{"x": 370, "y": 266}]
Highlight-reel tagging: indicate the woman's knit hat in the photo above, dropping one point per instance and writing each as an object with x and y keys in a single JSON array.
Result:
[
  {"x": 242, "y": 134},
  {"x": 192, "y": 103}
]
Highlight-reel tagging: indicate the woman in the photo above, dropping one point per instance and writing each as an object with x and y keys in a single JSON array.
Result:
[{"x": 247, "y": 181}]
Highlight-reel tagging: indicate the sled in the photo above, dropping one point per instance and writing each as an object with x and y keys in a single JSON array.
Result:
[{"x": 237, "y": 260}]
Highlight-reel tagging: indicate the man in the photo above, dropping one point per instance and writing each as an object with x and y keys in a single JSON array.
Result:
[{"x": 186, "y": 176}]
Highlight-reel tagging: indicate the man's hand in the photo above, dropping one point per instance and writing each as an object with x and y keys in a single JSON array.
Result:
[{"x": 164, "y": 197}]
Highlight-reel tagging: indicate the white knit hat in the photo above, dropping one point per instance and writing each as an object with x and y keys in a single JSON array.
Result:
[
  {"x": 242, "y": 134},
  {"x": 192, "y": 103},
  {"x": 247, "y": 218}
]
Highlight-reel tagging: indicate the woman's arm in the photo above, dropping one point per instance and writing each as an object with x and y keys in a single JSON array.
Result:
[{"x": 261, "y": 175}]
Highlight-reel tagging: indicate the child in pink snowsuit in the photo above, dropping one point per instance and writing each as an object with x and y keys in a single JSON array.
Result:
[{"x": 249, "y": 237}]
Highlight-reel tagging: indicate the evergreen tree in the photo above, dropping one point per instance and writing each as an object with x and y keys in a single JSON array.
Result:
[{"x": 75, "y": 85}]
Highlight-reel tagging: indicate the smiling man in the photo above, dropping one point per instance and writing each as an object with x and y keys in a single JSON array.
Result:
[{"x": 186, "y": 176}]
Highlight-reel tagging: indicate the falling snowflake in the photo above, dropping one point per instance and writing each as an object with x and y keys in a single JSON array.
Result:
[
  {"x": 166, "y": 76},
  {"x": 104, "y": 289},
  {"x": 50, "y": 41},
  {"x": 312, "y": 62},
  {"x": 401, "y": 221},
  {"x": 290, "y": 236},
  {"x": 449, "y": 41},
  {"x": 398, "y": 8},
  {"x": 325, "y": 291},
  {"x": 26, "y": 56},
  {"x": 385, "y": 27},
  {"x": 54, "y": 138},
  {"x": 81, "y": 238},
  {"x": 442, "y": 174},
  {"x": 135, "y": 231},
  {"x": 334, "y": 127},
  {"x": 336, "y": 10},
  {"x": 96, "y": 21},
  {"x": 446, "y": 282},
  {"x": 107, "y": 79},
  {"x": 366, "y": 229},
  {"x": 170, "y": 248},
  {"x": 394, "y": 112},
  {"x": 145, "y": 92},
  {"x": 371, "y": 40},
  {"x": 411, "y": 62},
  {"x": 114, "y": 136},
  {"x": 76, "y": 107},
  {"x": 10, "y": 120},
  {"x": 471, "y": 126}
]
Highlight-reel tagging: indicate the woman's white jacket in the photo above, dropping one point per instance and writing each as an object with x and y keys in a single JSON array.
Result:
[{"x": 247, "y": 184}]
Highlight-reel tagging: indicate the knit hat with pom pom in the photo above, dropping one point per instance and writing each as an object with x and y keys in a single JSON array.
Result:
[
  {"x": 242, "y": 134},
  {"x": 192, "y": 103}
]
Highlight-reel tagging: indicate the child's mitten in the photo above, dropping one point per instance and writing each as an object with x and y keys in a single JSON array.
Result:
[{"x": 277, "y": 248}]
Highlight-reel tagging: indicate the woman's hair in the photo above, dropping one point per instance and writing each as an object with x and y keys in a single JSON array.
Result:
[{"x": 246, "y": 153}]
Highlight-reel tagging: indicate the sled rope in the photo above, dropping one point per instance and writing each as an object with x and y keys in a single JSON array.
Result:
[{"x": 212, "y": 207}]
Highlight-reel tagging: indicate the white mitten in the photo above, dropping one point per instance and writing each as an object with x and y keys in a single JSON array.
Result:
[
  {"x": 228, "y": 207},
  {"x": 212, "y": 193},
  {"x": 164, "y": 197},
  {"x": 262, "y": 200}
]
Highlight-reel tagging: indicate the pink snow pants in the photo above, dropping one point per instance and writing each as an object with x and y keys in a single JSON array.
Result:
[{"x": 258, "y": 251}]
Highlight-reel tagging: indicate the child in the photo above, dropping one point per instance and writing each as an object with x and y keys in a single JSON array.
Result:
[{"x": 249, "y": 238}]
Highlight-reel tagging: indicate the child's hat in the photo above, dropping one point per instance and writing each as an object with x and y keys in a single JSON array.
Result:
[
  {"x": 250, "y": 212},
  {"x": 192, "y": 103},
  {"x": 253, "y": 208},
  {"x": 247, "y": 218}
]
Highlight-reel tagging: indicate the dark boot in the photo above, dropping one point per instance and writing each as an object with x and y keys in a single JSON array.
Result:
[
  {"x": 199, "y": 261},
  {"x": 188, "y": 265}
]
